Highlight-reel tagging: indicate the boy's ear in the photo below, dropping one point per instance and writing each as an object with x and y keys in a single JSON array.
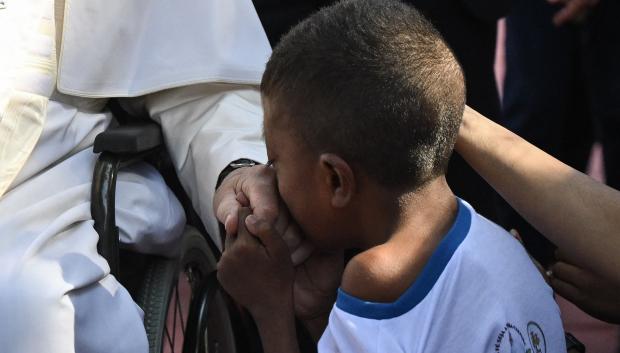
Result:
[{"x": 339, "y": 178}]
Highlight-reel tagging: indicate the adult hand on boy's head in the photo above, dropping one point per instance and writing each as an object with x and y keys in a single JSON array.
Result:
[
  {"x": 256, "y": 269},
  {"x": 253, "y": 187}
]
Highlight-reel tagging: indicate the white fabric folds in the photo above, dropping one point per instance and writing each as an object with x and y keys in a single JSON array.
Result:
[
  {"x": 27, "y": 78},
  {"x": 145, "y": 46}
]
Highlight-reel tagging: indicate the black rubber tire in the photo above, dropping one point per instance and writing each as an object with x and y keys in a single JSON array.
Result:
[{"x": 161, "y": 277}]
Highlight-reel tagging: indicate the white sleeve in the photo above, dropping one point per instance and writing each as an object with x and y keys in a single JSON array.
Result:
[
  {"x": 346, "y": 333},
  {"x": 206, "y": 127}
]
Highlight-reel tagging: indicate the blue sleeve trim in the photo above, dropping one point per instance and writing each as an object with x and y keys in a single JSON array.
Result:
[{"x": 422, "y": 285}]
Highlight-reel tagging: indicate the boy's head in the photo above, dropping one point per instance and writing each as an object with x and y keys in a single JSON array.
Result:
[{"x": 362, "y": 93}]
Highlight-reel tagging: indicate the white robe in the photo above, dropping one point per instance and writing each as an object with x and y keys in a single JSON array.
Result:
[{"x": 56, "y": 294}]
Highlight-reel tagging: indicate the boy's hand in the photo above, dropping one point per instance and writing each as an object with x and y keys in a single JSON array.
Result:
[
  {"x": 299, "y": 247},
  {"x": 317, "y": 274},
  {"x": 316, "y": 284},
  {"x": 256, "y": 270},
  {"x": 315, "y": 290}
]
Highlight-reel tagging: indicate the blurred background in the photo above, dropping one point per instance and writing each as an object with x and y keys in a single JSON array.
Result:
[{"x": 596, "y": 335}]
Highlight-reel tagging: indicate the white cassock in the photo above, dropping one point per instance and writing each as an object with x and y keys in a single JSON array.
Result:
[{"x": 194, "y": 66}]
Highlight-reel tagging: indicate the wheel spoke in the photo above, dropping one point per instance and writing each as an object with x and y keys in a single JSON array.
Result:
[
  {"x": 174, "y": 320},
  {"x": 169, "y": 339},
  {"x": 178, "y": 304},
  {"x": 177, "y": 290}
]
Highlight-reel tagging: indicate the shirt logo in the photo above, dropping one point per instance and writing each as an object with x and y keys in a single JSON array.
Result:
[{"x": 511, "y": 340}]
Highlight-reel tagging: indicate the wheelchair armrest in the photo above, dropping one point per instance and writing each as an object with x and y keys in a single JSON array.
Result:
[
  {"x": 120, "y": 146},
  {"x": 129, "y": 139}
]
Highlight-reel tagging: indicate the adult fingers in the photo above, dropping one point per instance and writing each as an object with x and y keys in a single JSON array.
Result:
[
  {"x": 230, "y": 224},
  {"x": 569, "y": 273},
  {"x": 226, "y": 205},
  {"x": 271, "y": 239},
  {"x": 243, "y": 234},
  {"x": 258, "y": 184},
  {"x": 567, "y": 290},
  {"x": 283, "y": 225},
  {"x": 242, "y": 199},
  {"x": 253, "y": 186},
  {"x": 229, "y": 239}
]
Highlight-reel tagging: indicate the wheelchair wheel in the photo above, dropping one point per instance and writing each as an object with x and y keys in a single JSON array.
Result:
[
  {"x": 215, "y": 323},
  {"x": 168, "y": 288}
]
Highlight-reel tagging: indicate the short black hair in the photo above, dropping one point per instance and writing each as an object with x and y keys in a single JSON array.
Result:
[{"x": 374, "y": 82}]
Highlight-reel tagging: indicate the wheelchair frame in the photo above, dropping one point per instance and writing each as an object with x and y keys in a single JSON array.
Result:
[{"x": 122, "y": 146}]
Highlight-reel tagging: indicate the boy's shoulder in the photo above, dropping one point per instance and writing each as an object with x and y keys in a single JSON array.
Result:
[
  {"x": 384, "y": 273},
  {"x": 376, "y": 275},
  {"x": 367, "y": 276}
]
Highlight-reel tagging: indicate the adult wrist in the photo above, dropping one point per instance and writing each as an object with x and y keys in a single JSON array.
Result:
[
  {"x": 467, "y": 128},
  {"x": 232, "y": 166}
]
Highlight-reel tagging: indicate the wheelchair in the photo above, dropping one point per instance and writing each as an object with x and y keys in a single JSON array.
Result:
[{"x": 185, "y": 310}]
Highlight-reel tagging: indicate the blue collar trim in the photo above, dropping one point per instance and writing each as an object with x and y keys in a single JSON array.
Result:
[{"x": 423, "y": 283}]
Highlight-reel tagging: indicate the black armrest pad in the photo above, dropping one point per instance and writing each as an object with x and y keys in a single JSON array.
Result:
[{"x": 129, "y": 138}]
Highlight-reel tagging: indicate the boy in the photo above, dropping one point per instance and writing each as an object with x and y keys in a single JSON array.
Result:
[{"x": 363, "y": 102}]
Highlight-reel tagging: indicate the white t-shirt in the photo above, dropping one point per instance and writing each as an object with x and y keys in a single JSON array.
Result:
[{"x": 479, "y": 292}]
